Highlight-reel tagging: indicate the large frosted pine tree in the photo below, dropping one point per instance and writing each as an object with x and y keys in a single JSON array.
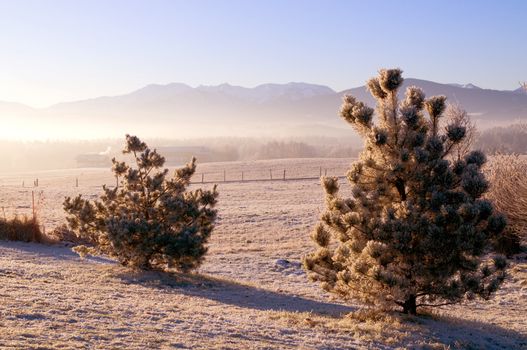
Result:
[{"x": 415, "y": 231}]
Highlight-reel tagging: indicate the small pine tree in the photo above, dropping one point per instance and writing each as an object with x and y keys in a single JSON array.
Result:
[
  {"x": 148, "y": 221},
  {"x": 416, "y": 229}
]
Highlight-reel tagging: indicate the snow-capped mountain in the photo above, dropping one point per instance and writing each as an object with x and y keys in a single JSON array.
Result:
[
  {"x": 268, "y": 92},
  {"x": 466, "y": 86}
]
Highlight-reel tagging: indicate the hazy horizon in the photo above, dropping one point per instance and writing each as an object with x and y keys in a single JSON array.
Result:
[{"x": 181, "y": 70}]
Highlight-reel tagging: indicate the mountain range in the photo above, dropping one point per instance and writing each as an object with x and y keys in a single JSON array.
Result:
[{"x": 180, "y": 111}]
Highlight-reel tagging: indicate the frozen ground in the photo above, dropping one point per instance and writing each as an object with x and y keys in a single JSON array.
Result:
[{"x": 250, "y": 293}]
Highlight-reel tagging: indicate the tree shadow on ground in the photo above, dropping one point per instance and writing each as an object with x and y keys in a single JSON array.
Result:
[
  {"x": 453, "y": 332},
  {"x": 232, "y": 293},
  {"x": 56, "y": 251},
  {"x": 459, "y": 333}
]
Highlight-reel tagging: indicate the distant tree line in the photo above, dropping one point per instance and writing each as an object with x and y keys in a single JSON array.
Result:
[
  {"x": 293, "y": 149},
  {"x": 44, "y": 155},
  {"x": 40, "y": 155},
  {"x": 508, "y": 139}
]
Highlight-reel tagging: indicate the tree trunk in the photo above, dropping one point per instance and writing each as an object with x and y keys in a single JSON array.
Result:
[
  {"x": 399, "y": 184},
  {"x": 410, "y": 305}
]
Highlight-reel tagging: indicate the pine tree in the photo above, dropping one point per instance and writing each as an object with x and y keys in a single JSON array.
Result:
[
  {"x": 149, "y": 220},
  {"x": 416, "y": 230}
]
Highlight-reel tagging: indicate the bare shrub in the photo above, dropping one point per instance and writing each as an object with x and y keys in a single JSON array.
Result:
[
  {"x": 22, "y": 228},
  {"x": 455, "y": 114},
  {"x": 507, "y": 175}
]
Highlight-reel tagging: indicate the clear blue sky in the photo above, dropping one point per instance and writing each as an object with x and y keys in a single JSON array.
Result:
[{"x": 53, "y": 51}]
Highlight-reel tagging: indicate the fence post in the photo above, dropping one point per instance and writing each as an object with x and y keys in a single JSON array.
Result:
[
  {"x": 271, "y": 174},
  {"x": 224, "y": 176},
  {"x": 320, "y": 171},
  {"x": 284, "y": 174},
  {"x": 33, "y": 204},
  {"x": 202, "y": 177},
  {"x": 242, "y": 176},
  {"x": 76, "y": 182}
]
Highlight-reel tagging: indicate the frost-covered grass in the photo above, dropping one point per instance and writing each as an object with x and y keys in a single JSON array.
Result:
[{"x": 250, "y": 293}]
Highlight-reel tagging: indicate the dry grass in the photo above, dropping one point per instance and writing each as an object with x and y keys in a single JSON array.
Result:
[
  {"x": 508, "y": 191},
  {"x": 22, "y": 228},
  {"x": 369, "y": 326}
]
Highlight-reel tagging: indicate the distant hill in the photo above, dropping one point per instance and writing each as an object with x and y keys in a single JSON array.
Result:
[{"x": 179, "y": 111}]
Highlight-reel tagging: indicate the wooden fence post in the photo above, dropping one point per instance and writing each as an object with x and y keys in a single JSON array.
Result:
[
  {"x": 33, "y": 204},
  {"x": 202, "y": 177},
  {"x": 284, "y": 174},
  {"x": 242, "y": 176},
  {"x": 271, "y": 174}
]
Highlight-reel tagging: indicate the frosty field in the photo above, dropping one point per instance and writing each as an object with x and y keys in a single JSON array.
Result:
[{"x": 251, "y": 293}]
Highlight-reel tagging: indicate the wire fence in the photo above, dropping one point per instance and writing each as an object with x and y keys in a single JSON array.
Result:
[
  {"x": 38, "y": 195},
  {"x": 215, "y": 175},
  {"x": 271, "y": 174}
]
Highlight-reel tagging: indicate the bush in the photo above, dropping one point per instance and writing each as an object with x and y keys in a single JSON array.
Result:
[
  {"x": 149, "y": 221},
  {"x": 416, "y": 231},
  {"x": 23, "y": 229},
  {"x": 507, "y": 175}
]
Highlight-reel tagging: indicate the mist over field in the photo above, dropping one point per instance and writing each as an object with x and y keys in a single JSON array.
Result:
[{"x": 221, "y": 123}]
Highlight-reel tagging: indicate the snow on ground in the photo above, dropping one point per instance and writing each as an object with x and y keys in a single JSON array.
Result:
[{"x": 250, "y": 293}]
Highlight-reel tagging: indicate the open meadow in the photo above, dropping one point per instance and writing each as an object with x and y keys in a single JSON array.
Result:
[{"x": 250, "y": 293}]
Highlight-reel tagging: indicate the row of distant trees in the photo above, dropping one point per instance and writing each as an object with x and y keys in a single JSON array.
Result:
[
  {"x": 508, "y": 139},
  {"x": 41, "y": 155},
  {"x": 502, "y": 139},
  {"x": 21, "y": 156}
]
